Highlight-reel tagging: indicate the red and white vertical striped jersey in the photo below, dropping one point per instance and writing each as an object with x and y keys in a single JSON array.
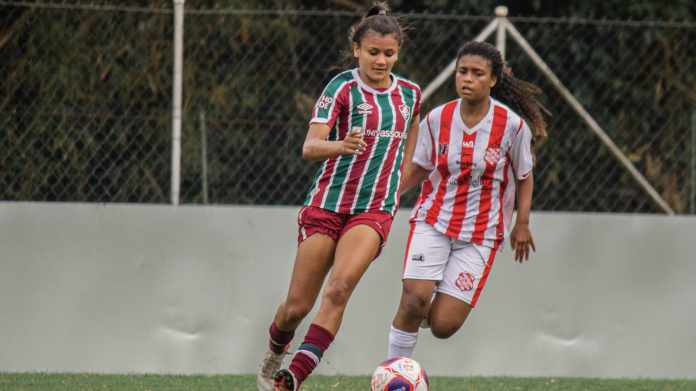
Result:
[{"x": 470, "y": 192}]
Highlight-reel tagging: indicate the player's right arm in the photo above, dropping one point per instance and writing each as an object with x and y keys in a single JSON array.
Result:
[
  {"x": 332, "y": 102},
  {"x": 317, "y": 147},
  {"x": 413, "y": 176}
]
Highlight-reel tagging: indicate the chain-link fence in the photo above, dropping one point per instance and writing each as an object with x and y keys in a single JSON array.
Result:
[
  {"x": 85, "y": 103},
  {"x": 635, "y": 80},
  {"x": 85, "y": 98}
]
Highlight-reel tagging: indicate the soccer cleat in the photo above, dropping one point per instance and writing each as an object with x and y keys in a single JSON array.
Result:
[
  {"x": 285, "y": 381},
  {"x": 269, "y": 366}
]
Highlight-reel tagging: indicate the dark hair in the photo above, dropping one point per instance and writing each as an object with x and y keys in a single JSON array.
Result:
[
  {"x": 520, "y": 95},
  {"x": 380, "y": 20}
]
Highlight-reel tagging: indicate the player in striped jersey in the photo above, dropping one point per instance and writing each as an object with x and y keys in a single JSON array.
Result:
[
  {"x": 473, "y": 156},
  {"x": 364, "y": 125}
]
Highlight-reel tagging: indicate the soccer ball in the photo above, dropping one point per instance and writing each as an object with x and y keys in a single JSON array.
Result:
[{"x": 399, "y": 374}]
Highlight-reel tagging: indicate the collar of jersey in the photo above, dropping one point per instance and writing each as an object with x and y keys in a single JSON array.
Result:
[
  {"x": 367, "y": 88},
  {"x": 483, "y": 125}
]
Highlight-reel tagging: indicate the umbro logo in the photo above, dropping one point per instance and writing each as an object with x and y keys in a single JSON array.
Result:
[{"x": 364, "y": 108}]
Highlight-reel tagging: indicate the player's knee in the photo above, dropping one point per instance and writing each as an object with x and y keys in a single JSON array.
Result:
[
  {"x": 443, "y": 329},
  {"x": 415, "y": 306},
  {"x": 337, "y": 293},
  {"x": 295, "y": 312}
]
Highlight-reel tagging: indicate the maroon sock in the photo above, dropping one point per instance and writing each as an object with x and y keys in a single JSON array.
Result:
[
  {"x": 279, "y": 339},
  {"x": 310, "y": 352}
]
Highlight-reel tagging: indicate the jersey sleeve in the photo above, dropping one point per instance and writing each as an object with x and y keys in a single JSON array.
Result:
[
  {"x": 424, "y": 155},
  {"x": 521, "y": 151},
  {"x": 333, "y": 100},
  {"x": 417, "y": 105}
]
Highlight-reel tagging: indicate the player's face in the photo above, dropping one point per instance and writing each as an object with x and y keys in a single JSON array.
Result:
[
  {"x": 376, "y": 56},
  {"x": 474, "y": 78}
]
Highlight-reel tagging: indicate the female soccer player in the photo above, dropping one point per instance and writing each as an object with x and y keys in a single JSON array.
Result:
[
  {"x": 364, "y": 125},
  {"x": 474, "y": 154}
]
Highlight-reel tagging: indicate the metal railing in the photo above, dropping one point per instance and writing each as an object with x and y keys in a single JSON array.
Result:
[{"x": 89, "y": 110}]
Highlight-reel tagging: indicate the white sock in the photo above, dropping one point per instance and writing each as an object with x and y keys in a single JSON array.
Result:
[{"x": 401, "y": 343}]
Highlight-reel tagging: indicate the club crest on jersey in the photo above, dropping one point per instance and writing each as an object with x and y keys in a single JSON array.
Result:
[
  {"x": 405, "y": 112},
  {"x": 492, "y": 155},
  {"x": 465, "y": 282},
  {"x": 365, "y": 108}
]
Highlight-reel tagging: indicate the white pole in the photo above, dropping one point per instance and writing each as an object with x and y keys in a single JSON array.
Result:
[
  {"x": 204, "y": 156},
  {"x": 577, "y": 106},
  {"x": 692, "y": 171},
  {"x": 501, "y": 12},
  {"x": 176, "y": 99},
  {"x": 447, "y": 72}
]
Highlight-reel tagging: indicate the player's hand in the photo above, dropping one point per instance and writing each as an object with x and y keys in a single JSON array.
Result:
[
  {"x": 521, "y": 240},
  {"x": 353, "y": 144}
]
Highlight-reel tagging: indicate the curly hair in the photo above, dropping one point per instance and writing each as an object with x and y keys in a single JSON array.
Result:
[{"x": 520, "y": 95}]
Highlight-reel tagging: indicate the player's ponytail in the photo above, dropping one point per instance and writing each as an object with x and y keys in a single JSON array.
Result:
[
  {"x": 521, "y": 96},
  {"x": 379, "y": 8},
  {"x": 379, "y": 19}
]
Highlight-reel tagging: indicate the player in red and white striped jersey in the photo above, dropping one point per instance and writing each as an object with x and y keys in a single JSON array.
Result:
[
  {"x": 473, "y": 157},
  {"x": 364, "y": 125}
]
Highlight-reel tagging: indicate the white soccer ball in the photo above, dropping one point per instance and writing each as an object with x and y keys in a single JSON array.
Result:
[{"x": 399, "y": 374}]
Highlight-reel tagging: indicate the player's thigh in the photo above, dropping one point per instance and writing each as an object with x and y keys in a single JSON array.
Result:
[
  {"x": 427, "y": 253},
  {"x": 462, "y": 283},
  {"x": 448, "y": 312},
  {"x": 313, "y": 260},
  {"x": 356, "y": 249}
]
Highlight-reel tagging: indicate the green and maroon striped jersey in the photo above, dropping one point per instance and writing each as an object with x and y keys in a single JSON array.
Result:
[{"x": 368, "y": 182}]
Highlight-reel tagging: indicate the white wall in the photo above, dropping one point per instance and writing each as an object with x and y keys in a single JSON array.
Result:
[{"x": 131, "y": 288}]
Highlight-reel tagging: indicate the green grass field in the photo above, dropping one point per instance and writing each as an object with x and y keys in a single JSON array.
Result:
[{"x": 84, "y": 382}]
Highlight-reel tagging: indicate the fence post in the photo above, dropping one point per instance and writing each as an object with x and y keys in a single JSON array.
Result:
[
  {"x": 176, "y": 99},
  {"x": 204, "y": 155},
  {"x": 501, "y": 13},
  {"x": 692, "y": 170}
]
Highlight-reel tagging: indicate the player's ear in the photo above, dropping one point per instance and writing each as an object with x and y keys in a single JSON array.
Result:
[{"x": 356, "y": 50}]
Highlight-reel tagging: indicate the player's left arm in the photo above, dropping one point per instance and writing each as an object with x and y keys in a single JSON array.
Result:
[{"x": 521, "y": 238}]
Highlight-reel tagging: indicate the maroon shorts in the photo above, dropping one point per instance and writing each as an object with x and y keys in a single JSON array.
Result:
[{"x": 311, "y": 220}]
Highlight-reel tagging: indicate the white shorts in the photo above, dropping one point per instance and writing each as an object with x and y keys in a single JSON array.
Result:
[{"x": 461, "y": 268}]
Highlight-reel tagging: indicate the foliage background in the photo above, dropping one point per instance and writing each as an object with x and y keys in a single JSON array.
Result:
[{"x": 85, "y": 95}]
